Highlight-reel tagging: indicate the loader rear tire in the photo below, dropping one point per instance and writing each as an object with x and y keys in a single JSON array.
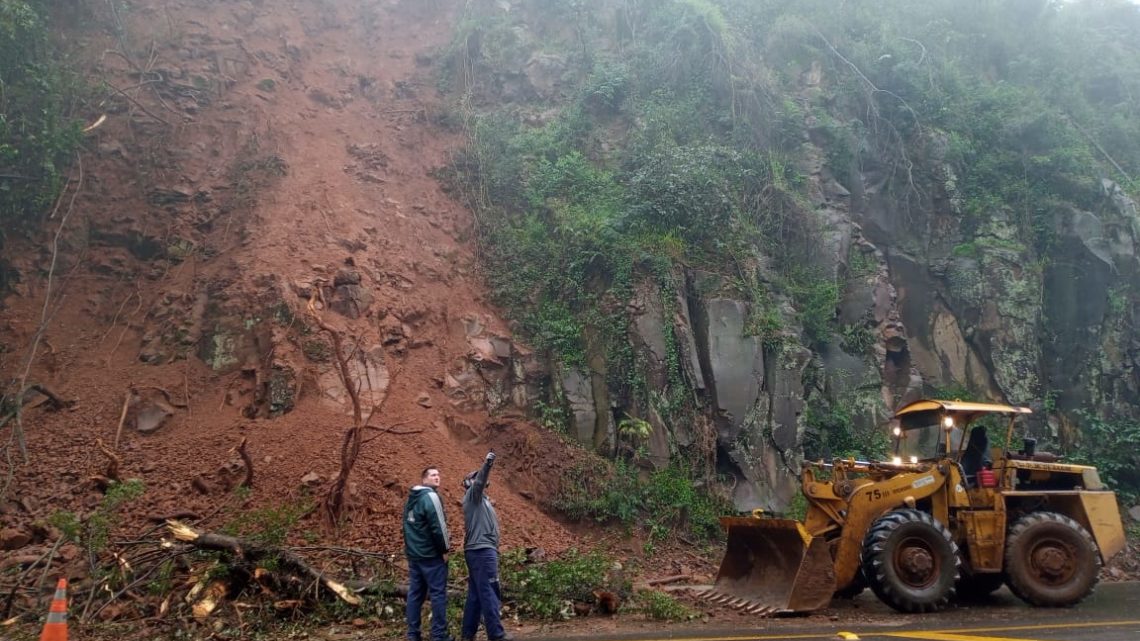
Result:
[
  {"x": 1050, "y": 560},
  {"x": 910, "y": 561}
]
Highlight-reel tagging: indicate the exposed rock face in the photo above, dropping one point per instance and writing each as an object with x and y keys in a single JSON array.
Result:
[
  {"x": 769, "y": 452},
  {"x": 648, "y": 333},
  {"x": 1074, "y": 293},
  {"x": 686, "y": 340},
  {"x": 496, "y": 373},
  {"x": 735, "y": 364},
  {"x": 350, "y": 299},
  {"x": 755, "y": 400},
  {"x": 754, "y": 409},
  {"x": 986, "y": 314},
  {"x": 1097, "y": 312},
  {"x": 280, "y": 389},
  {"x": 368, "y": 374},
  {"x": 580, "y": 399}
]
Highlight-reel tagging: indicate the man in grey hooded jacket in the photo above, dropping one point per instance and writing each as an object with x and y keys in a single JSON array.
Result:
[{"x": 481, "y": 551}]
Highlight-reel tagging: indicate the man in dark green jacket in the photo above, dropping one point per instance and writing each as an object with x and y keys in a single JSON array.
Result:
[{"x": 426, "y": 544}]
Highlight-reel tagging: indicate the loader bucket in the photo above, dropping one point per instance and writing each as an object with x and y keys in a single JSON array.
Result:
[{"x": 773, "y": 566}]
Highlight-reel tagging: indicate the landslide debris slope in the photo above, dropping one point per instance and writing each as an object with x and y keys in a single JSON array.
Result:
[{"x": 262, "y": 169}]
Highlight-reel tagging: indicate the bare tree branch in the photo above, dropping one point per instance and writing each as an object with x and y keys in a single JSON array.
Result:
[
  {"x": 873, "y": 108},
  {"x": 354, "y": 437},
  {"x": 18, "y": 430},
  {"x": 245, "y": 458},
  {"x": 138, "y": 104},
  {"x": 247, "y": 551}
]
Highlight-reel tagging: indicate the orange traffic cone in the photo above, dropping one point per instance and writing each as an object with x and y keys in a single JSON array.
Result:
[{"x": 55, "y": 629}]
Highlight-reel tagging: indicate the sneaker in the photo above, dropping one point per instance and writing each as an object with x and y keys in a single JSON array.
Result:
[{"x": 506, "y": 637}]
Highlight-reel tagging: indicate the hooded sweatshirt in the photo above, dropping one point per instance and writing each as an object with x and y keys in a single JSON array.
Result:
[
  {"x": 425, "y": 528},
  {"x": 481, "y": 523}
]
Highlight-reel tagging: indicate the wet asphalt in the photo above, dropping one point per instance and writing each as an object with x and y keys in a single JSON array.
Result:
[{"x": 1112, "y": 613}]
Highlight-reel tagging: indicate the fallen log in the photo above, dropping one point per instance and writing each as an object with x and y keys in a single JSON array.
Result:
[
  {"x": 205, "y": 604},
  {"x": 665, "y": 580},
  {"x": 57, "y": 401},
  {"x": 249, "y": 553},
  {"x": 399, "y": 590}
]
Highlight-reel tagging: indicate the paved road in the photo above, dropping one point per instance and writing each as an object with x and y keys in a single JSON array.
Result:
[{"x": 1111, "y": 614}]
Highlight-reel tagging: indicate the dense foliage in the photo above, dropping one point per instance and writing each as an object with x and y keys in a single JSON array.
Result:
[
  {"x": 548, "y": 590},
  {"x": 1107, "y": 444},
  {"x": 37, "y": 133},
  {"x": 675, "y": 135},
  {"x": 665, "y": 501},
  {"x": 672, "y": 133}
]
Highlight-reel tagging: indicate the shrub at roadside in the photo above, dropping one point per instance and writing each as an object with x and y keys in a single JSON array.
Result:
[
  {"x": 668, "y": 500},
  {"x": 550, "y": 590}
]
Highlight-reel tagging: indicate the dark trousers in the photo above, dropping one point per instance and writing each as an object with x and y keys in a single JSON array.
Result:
[
  {"x": 483, "y": 598},
  {"x": 428, "y": 577}
]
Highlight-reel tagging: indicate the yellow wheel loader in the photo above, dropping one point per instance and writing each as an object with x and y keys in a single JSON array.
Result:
[{"x": 946, "y": 516}]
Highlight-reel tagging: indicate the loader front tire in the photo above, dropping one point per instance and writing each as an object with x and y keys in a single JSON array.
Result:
[
  {"x": 910, "y": 561},
  {"x": 1050, "y": 560}
]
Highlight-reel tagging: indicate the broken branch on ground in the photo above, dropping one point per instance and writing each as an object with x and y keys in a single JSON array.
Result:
[{"x": 249, "y": 553}]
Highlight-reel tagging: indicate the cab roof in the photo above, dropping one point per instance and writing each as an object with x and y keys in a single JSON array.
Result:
[{"x": 927, "y": 412}]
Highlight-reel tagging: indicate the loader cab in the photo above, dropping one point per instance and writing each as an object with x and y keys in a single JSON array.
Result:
[
  {"x": 934, "y": 430},
  {"x": 924, "y": 438}
]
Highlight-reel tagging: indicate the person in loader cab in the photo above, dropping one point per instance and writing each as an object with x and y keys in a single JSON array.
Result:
[
  {"x": 976, "y": 455},
  {"x": 426, "y": 544},
  {"x": 481, "y": 551}
]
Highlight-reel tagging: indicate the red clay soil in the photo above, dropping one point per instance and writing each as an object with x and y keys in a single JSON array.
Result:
[{"x": 343, "y": 94}]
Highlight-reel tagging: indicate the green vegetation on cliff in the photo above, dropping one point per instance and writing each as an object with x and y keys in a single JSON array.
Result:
[
  {"x": 671, "y": 127},
  {"x": 619, "y": 141},
  {"x": 37, "y": 136}
]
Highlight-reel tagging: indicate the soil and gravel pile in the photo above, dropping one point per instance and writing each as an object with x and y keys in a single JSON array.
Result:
[{"x": 252, "y": 151}]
